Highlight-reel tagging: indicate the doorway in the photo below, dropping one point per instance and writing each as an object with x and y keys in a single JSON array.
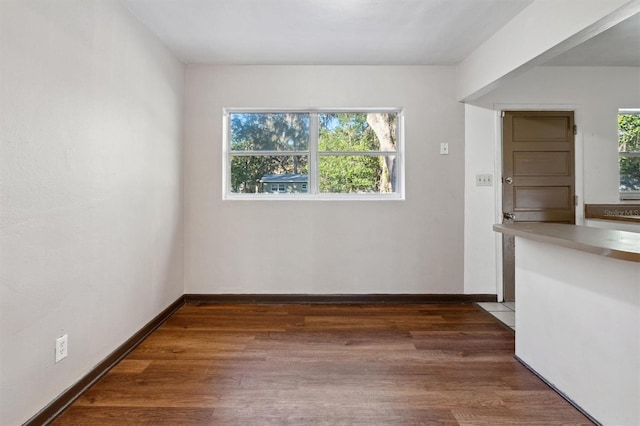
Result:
[{"x": 538, "y": 176}]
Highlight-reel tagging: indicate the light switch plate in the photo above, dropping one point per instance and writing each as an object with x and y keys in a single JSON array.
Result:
[
  {"x": 444, "y": 148},
  {"x": 484, "y": 180}
]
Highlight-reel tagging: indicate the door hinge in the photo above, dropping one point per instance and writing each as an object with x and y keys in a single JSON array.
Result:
[
  {"x": 502, "y": 114},
  {"x": 575, "y": 130},
  {"x": 575, "y": 200}
]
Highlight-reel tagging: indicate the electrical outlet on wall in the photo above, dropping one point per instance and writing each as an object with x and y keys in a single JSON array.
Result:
[{"x": 62, "y": 347}]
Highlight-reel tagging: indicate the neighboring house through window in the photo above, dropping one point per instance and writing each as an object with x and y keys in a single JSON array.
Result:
[{"x": 286, "y": 182}]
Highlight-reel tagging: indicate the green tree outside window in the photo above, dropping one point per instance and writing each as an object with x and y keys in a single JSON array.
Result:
[{"x": 629, "y": 151}]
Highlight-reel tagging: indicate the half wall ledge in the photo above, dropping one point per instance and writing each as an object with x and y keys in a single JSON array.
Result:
[{"x": 623, "y": 245}]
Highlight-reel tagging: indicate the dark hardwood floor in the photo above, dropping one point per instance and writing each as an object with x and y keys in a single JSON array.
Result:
[{"x": 323, "y": 364}]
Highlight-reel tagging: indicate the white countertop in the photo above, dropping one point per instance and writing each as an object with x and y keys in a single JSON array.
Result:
[{"x": 604, "y": 242}]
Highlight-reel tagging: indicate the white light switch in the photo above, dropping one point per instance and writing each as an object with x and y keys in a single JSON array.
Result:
[
  {"x": 444, "y": 148},
  {"x": 484, "y": 180}
]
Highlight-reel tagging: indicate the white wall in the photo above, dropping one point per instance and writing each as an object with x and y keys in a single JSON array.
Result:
[
  {"x": 90, "y": 190},
  {"x": 479, "y": 206},
  {"x": 325, "y": 247},
  {"x": 578, "y": 323},
  {"x": 595, "y": 93}
]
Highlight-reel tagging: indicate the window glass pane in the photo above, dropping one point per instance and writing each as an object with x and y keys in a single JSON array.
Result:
[
  {"x": 629, "y": 173},
  {"x": 357, "y": 174},
  {"x": 357, "y": 132},
  {"x": 269, "y": 131},
  {"x": 629, "y": 142},
  {"x": 629, "y": 132},
  {"x": 252, "y": 174}
]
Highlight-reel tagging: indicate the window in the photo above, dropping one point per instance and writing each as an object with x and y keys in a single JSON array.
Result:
[
  {"x": 275, "y": 188},
  {"x": 629, "y": 153},
  {"x": 319, "y": 154}
]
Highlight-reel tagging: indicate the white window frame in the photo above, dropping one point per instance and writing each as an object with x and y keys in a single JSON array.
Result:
[
  {"x": 313, "y": 192},
  {"x": 628, "y": 195}
]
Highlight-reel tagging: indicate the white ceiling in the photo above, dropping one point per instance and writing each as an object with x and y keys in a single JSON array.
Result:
[
  {"x": 354, "y": 32},
  {"x": 618, "y": 46},
  {"x": 324, "y": 32}
]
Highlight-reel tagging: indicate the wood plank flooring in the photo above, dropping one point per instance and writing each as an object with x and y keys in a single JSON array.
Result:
[{"x": 323, "y": 364}]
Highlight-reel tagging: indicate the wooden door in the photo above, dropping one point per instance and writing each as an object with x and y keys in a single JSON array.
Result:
[{"x": 538, "y": 175}]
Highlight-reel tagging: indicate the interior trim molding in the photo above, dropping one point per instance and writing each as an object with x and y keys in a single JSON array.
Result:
[
  {"x": 405, "y": 299},
  {"x": 66, "y": 398},
  {"x": 558, "y": 391}
]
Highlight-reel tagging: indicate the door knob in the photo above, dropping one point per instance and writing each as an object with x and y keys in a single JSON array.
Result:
[
  {"x": 508, "y": 216},
  {"x": 508, "y": 180}
]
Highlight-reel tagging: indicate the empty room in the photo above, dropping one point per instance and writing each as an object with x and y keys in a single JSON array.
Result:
[{"x": 319, "y": 212}]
